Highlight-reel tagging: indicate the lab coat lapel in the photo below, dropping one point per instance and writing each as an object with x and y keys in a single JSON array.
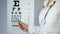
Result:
[{"x": 42, "y": 14}]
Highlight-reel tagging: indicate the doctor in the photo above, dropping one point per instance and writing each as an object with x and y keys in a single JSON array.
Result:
[{"x": 49, "y": 19}]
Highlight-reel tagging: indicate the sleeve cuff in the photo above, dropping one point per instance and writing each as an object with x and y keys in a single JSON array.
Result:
[{"x": 33, "y": 29}]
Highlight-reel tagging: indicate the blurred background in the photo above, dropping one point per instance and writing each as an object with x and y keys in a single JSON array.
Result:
[{"x": 38, "y": 5}]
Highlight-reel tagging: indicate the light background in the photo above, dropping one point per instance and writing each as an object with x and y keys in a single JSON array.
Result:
[{"x": 3, "y": 15}]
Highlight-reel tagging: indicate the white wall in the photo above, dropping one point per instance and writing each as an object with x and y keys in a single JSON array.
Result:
[{"x": 38, "y": 7}]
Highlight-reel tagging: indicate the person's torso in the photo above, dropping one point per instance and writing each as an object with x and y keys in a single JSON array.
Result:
[{"x": 50, "y": 18}]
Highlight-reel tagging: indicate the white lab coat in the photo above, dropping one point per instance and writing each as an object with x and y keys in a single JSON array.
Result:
[{"x": 52, "y": 25}]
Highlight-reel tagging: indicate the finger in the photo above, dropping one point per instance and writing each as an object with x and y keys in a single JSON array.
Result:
[{"x": 21, "y": 26}]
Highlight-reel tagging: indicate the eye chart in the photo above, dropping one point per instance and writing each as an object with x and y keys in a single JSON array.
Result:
[{"x": 19, "y": 11}]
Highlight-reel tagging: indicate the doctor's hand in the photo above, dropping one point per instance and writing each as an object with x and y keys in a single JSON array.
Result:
[{"x": 23, "y": 26}]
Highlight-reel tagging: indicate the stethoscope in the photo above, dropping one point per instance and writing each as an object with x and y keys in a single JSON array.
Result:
[{"x": 44, "y": 19}]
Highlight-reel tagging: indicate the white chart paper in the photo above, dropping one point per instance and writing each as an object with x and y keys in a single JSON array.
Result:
[{"x": 22, "y": 10}]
